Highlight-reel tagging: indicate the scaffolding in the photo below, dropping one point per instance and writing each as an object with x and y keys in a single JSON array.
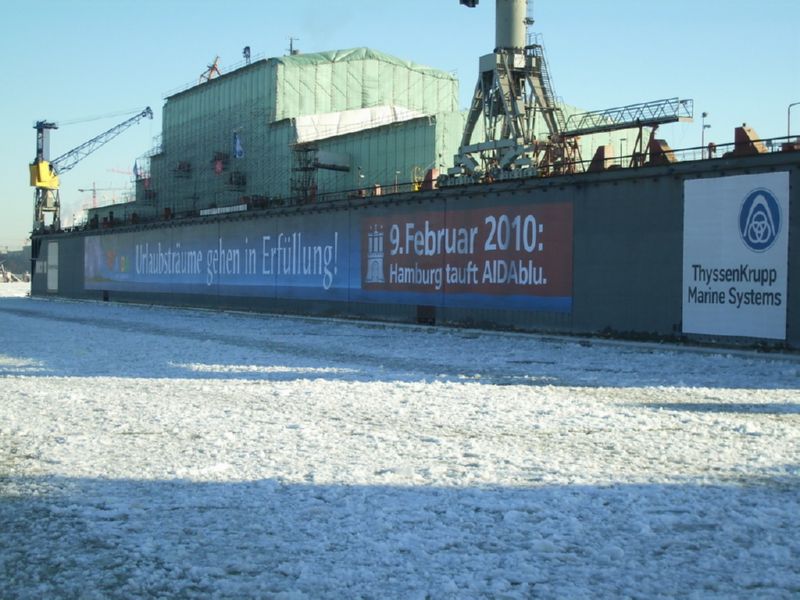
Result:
[{"x": 238, "y": 137}]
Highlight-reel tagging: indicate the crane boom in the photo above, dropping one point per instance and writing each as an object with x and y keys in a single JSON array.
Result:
[
  {"x": 66, "y": 161},
  {"x": 44, "y": 173}
]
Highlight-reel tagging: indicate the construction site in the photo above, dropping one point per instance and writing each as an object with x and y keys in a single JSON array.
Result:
[
  {"x": 311, "y": 128},
  {"x": 349, "y": 183},
  {"x": 350, "y": 123}
]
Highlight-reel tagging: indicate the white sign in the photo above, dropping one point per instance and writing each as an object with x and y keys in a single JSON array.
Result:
[
  {"x": 52, "y": 266},
  {"x": 735, "y": 255}
]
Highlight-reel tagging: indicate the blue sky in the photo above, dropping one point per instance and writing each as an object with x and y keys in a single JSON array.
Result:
[{"x": 738, "y": 59}]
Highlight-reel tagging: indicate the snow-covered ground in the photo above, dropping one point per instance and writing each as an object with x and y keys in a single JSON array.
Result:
[{"x": 156, "y": 452}]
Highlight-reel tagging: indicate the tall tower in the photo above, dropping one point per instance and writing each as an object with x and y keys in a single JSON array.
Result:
[{"x": 513, "y": 89}]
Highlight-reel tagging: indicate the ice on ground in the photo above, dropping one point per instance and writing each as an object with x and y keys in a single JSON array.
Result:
[{"x": 149, "y": 451}]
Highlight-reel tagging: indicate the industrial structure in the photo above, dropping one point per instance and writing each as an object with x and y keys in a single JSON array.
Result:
[
  {"x": 45, "y": 173},
  {"x": 515, "y": 92},
  {"x": 316, "y": 127},
  {"x": 295, "y": 127},
  {"x": 349, "y": 183}
]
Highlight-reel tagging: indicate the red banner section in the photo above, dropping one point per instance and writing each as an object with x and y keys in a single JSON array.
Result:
[{"x": 502, "y": 250}]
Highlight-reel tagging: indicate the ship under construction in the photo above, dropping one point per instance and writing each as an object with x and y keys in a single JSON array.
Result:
[{"x": 349, "y": 183}]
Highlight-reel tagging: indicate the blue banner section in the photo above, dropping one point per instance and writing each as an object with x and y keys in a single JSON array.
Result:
[{"x": 298, "y": 257}]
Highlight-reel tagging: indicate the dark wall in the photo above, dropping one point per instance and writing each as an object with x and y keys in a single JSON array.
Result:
[{"x": 628, "y": 256}]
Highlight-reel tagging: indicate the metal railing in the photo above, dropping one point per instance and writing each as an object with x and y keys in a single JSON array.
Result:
[
  {"x": 225, "y": 70},
  {"x": 536, "y": 43},
  {"x": 696, "y": 154},
  {"x": 258, "y": 203}
]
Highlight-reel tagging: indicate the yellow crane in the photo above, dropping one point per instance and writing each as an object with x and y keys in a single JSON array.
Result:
[{"x": 45, "y": 173}]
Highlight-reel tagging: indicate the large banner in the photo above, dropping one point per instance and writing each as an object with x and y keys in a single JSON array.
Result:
[
  {"x": 503, "y": 257},
  {"x": 735, "y": 255},
  {"x": 500, "y": 257},
  {"x": 291, "y": 257}
]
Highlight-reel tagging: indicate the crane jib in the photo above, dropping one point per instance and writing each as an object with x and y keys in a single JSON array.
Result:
[{"x": 68, "y": 160}]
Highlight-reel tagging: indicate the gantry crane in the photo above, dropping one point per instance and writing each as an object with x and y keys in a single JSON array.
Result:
[
  {"x": 45, "y": 173},
  {"x": 514, "y": 89}
]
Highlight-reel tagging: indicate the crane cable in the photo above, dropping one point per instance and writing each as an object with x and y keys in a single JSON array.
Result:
[{"x": 121, "y": 113}]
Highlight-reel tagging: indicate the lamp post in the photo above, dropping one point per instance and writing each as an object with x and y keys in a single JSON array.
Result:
[
  {"x": 789, "y": 119},
  {"x": 703, "y": 135}
]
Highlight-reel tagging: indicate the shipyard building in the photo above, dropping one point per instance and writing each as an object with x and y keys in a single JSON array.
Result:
[
  {"x": 305, "y": 126},
  {"x": 301, "y": 128}
]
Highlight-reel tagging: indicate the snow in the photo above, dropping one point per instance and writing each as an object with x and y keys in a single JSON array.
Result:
[{"x": 149, "y": 451}]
